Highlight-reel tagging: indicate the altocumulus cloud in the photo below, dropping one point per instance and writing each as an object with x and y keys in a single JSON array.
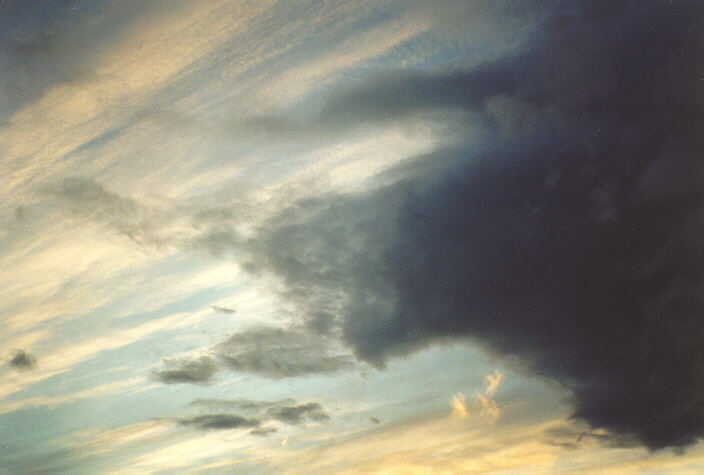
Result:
[{"x": 569, "y": 235}]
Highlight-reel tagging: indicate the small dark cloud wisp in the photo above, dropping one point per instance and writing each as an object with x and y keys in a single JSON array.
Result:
[
  {"x": 219, "y": 421},
  {"x": 287, "y": 411},
  {"x": 297, "y": 414},
  {"x": 187, "y": 370},
  {"x": 219, "y": 309},
  {"x": 23, "y": 361}
]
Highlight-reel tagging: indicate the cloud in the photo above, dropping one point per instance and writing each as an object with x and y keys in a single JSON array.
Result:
[
  {"x": 493, "y": 381},
  {"x": 219, "y": 309},
  {"x": 568, "y": 236},
  {"x": 280, "y": 353},
  {"x": 294, "y": 415},
  {"x": 490, "y": 409},
  {"x": 89, "y": 201},
  {"x": 23, "y": 361},
  {"x": 484, "y": 405},
  {"x": 263, "y": 431},
  {"x": 219, "y": 421},
  {"x": 37, "y": 47},
  {"x": 270, "y": 352},
  {"x": 187, "y": 370},
  {"x": 287, "y": 411},
  {"x": 241, "y": 404},
  {"x": 459, "y": 406}
]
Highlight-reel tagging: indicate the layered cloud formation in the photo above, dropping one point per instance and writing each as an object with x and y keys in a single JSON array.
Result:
[{"x": 315, "y": 222}]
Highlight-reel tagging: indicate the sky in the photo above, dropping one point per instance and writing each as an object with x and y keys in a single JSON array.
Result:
[{"x": 351, "y": 237}]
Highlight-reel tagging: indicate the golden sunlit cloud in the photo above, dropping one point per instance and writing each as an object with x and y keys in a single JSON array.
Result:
[
  {"x": 459, "y": 406},
  {"x": 493, "y": 381}
]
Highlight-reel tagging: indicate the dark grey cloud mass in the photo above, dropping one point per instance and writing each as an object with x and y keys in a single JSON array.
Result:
[
  {"x": 570, "y": 235},
  {"x": 187, "y": 370},
  {"x": 22, "y": 361}
]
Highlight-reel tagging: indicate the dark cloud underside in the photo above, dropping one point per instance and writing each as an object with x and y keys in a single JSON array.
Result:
[
  {"x": 286, "y": 411},
  {"x": 219, "y": 309},
  {"x": 185, "y": 370},
  {"x": 219, "y": 421},
  {"x": 296, "y": 414},
  {"x": 571, "y": 236}
]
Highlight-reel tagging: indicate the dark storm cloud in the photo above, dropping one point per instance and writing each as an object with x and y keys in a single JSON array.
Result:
[
  {"x": 570, "y": 236},
  {"x": 187, "y": 370},
  {"x": 219, "y": 421},
  {"x": 280, "y": 353},
  {"x": 22, "y": 361}
]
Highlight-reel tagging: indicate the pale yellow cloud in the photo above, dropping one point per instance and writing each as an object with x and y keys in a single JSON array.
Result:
[
  {"x": 493, "y": 381},
  {"x": 490, "y": 409},
  {"x": 459, "y": 406}
]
